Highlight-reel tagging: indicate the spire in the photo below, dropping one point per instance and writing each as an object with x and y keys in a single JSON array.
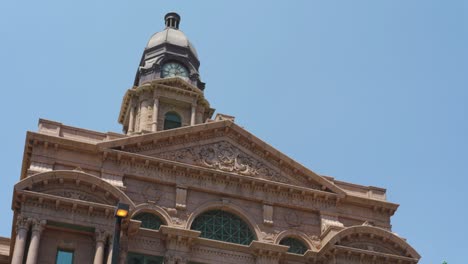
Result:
[{"x": 172, "y": 20}]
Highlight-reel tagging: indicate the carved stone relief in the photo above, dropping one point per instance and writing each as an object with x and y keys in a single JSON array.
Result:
[
  {"x": 73, "y": 192},
  {"x": 151, "y": 194},
  {"x": 224, "y": 156},
  {"x": 370, "y": 244}
]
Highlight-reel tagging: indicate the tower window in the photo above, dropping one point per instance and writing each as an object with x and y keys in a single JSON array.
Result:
[{"x": 172, "y": 120}]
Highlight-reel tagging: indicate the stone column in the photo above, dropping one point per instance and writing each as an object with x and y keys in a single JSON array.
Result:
[
  {"x": 37, "y": 228},
  {"x": 194, "y": 112},
  {"x": 154, "y": 127},
  {"x": 131, "y": 123},
  {"x": 22, "y": 227},
  {"x": 100, "y": 240},
  {"x": 109, "y": 256}
]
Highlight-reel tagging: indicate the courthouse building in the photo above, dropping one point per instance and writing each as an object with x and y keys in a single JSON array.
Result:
[{"x": 201, "y": 189}]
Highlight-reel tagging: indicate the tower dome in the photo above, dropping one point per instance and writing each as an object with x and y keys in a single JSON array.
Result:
[{"x": 169, "y": 46}]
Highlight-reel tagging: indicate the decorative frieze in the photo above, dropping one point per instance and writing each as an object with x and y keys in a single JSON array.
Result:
[
  {"x": 230, "y": 185},
  {"x": 205, "y": 253}
]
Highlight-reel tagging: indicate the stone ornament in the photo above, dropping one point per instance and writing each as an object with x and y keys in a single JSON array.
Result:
[
  {"x": 22, "y": 222},
  {"x": 224, "y": 156}
]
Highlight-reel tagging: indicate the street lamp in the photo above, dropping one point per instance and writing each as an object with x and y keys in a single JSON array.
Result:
[{"x": 120, "y": 212}]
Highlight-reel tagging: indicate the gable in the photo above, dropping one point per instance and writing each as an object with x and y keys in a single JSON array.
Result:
[
  {"x": 223, "y": 146},
  {"x": 225, "y": 155}
]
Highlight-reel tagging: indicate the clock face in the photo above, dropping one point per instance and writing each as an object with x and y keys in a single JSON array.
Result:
[{"x": 173, "y": 69}]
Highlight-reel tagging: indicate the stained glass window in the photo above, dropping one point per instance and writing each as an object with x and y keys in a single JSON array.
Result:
[
  {"x": 64, "y": 257},
  {"x": 172, "y": 120},
  {"x": 149, "y": 220},
  {"x": 135, "y": 258},
  {"x": 223, "y": 226},
  {"x": 296, "y": 246}
]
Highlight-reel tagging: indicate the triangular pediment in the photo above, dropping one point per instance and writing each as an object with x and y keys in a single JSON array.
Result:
[
  {"x": 224, "y": 155},
  {"x": 224, "y": 146}
]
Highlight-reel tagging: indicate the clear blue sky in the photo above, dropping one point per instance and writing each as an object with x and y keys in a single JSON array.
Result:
[{"x": 371, "y": 92}]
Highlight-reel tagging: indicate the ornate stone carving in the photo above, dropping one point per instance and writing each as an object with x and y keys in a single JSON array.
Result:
[
  {"x": 37, "y": 225},
  {"x": 225, "y": 157},
  {"x": 330, "y": 221},
  {"x": 101, "y": 235},
  {"x": 292, "y": 219},
  {"x": 22, "y": 222},
  {"x": 268, "y": 237}
]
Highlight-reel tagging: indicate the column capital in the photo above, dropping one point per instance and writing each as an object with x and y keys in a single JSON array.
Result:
[
  {"x": 22, "y": 223},
  {"x": 37, "y": 225},
  {"x": 101, "y": 235}
]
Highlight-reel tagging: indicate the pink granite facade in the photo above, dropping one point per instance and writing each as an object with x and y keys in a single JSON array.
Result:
[{"x": 72, "y": 179}]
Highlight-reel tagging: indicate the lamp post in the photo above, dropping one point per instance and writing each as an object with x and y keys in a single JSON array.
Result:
[{"x": 120, "y": 212}]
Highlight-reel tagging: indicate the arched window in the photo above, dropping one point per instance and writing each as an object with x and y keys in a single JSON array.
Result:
[
  {"x": 223, "y": 226},
  {"x": 149, "y": 220},
  {"x": 296, "y": 246},
  {"x": 172, "y": 120}
]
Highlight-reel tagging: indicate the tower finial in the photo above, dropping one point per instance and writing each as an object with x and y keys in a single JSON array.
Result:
[{"x": 172, "y": 20}]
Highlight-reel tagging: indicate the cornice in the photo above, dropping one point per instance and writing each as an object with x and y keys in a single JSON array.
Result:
[{"x": 218, "y": 128}]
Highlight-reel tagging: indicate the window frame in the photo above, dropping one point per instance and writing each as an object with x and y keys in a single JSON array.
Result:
[
  {"x": 166, "y": 119},
  {"x": 220, "y": 228},
  {"x": 66, "y": 250}
]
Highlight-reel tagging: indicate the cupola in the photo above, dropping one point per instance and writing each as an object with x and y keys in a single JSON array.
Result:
[
  {"x": 169, "y": 53},
  {"x": 167, "y": 92}
]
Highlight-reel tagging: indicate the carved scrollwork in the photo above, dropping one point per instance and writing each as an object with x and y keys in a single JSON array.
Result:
[{"x": 225, "y": 157}]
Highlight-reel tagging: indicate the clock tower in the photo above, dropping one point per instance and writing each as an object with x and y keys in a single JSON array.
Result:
[{"x": 167, "y": 91}]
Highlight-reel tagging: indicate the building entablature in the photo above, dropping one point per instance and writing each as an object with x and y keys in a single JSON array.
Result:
[
  {"x": 134, "y": 161},
  {"x": 200, "y": 249}
]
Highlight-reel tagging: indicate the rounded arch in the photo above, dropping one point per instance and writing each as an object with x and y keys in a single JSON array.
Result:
[
  {"x": 230, "y": 208},
  {"x": 172, "y": 119},
  {"x": 296, "y": 235},
  {"x": 296, "y": 246},
  {"x": 153, "y": 209},
  {"x": 78, "y": 177},
  {"x": 374, "y": 231}
]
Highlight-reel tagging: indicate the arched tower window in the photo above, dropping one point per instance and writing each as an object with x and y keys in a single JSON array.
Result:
[
  {"x": 296, "y": 246},
  {"x": 172, "y": 120},
  {"x": 149, "y": 220},
  {"x": 223, "y": 226}
]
